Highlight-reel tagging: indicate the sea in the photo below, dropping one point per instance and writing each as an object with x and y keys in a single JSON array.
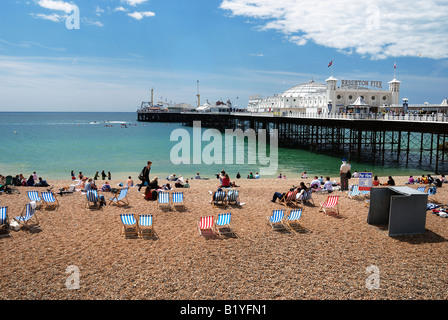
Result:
[{"x": 53, "y": 144}]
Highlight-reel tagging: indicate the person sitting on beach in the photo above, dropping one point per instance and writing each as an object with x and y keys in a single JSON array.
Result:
[
  {"x": 390, "y": 182},
  {"x": 430, "y": 179},
  {"x": 90, "y": 185},
  {"x": 321, "y": 179},
  {"x": 303, "y": 175},
  {"x": 410, "y": 180},
  {"x": 315, "y": 184},
  {"x": 225, "y": 182},
  {"x": 257, "y": 176},
  {"x": 328, "y": 185},
  {"x": 301, "y": 190},
  {"x": 42, "y": 183},
  {"x": 154, "y": 184},
  {"x": 355, "y": 174},
  {"x": 106, "y": 187},
  {"x": 443, "y": 179},
  {"x": 238, "y": 176},
  {"x": 375, "y": 181},
  {"x": 130, "y": 182},
  {"x": 82, "y": 184},
  {"x": 172, "y": 177},
  {"x": 251, "y": 175},
  {"x": 424, "y": 180},
  {"x": 279, "y": 195},
  {"x": 197, "y": 176},
  {"x": 280, "y": 176},
  {"x": 30, "y": 181}
]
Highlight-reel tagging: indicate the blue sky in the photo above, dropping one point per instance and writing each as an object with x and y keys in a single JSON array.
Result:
[{"x": 235, "y": 48}]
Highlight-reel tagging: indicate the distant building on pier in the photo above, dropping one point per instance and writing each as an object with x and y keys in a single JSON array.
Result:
[{"x": 357, "y": 96}]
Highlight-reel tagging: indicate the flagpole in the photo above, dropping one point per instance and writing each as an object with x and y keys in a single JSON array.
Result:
[{"x": 332, "y": 63}]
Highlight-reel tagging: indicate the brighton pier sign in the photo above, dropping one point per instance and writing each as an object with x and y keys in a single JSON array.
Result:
[{"x": 356, "y": 83}]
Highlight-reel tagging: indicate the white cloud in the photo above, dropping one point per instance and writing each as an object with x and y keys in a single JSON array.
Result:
[
  {"x": 120, "y": 9},
  {"x": 134, "y": 2},
  {"x": 140, "y": 15},
  {"x": 51, "y": 17},
  {"x": 377, "y": 29},
  {"x": 56, "y": 5}
]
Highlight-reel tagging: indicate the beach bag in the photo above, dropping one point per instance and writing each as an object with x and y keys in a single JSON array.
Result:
[
  {"x": 349, "y": 174},
  {"x": 14, "y": 225}
]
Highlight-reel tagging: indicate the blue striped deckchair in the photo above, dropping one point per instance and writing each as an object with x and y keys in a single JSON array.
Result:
[
  {"x": 28, "y": 218},
  {"x": 4, "y": 222},
  {"x": 34, "y": 196},
  {"x": 128, "y": 224},
  {"x": 354, "y": 191},
  {"x": 293, "y": 216},
  {"x": 222, "y": 224},
  {"x": 93, "y": 201},
  {"x": 219, "y": 198},
  {"x": 232, "y": 197},
  {"x": 163, "y": 199},
  {"x": 276, "y": 219},
  {"x": 177, "y": 198},
  {"x": 49, "y": 200},
  {"x": 145, "y": 225},
  {"x": 120, "y": 198}
]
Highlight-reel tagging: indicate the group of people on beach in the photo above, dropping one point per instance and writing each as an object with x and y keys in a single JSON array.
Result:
[
  {"x": 95, "y": 177},
  {"x": 20, "y": 181}
]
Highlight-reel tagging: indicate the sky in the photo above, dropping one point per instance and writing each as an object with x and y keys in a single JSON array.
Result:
[{"x": 107, "y": 55}]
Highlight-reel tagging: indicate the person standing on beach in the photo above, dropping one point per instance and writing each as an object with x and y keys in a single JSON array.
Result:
[
  {"x": 144, "y": 175},
  {"x": 345, "y": 168},
  {"x": 103, "y": 175},
  {"x": 109, "y": 176}
]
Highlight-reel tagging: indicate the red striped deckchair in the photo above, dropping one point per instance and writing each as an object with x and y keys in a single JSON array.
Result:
[
  {"x": 205, "y": 226},
  {"x": 289, "y": 198},
  {"x": 331, "y": 205}
]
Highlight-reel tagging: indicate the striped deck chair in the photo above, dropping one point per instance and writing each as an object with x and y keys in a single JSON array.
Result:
[
  {"x": 289, "y": 198},
  {"x": 307, "y": 196},
  {"x": 93, "y": 201},
  {"x": 28, "y": 218},
  {"x": 129, "y": 224},
  {"x": 293, "y": 217},
  {"x": 163, "y": 199},
  {"x": 205, "y": 226},
  {"x": 120, "y": 198},
  {"x": 219, "y": 198},
  {"x": 354, "y": 192},
  {"x": 145, "y": 225},
  {"x": 177, "y": 199},
  {"x": 276, "y": 219},
  {"x": 49, "y": 200},
  {"x": 330, "y": 205},
  {"x": 232, "y": 197},
  {"x": 4, "y": 221},
  {"x": 34, "y": 196},
  {"x": 222, "y": 224}
]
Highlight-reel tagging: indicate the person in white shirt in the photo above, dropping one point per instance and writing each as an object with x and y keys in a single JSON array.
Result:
[
  {"x": 315, "y": 184},
  {"x": 345, "y": 167},
  {"x": 328, "y": 185}
]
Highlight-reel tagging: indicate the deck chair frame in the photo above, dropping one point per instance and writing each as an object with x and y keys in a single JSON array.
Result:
[
  {"x": 307, "y": 196},
  {"x": 34, "y": 196},
  {"x": 145, "y": 226},
  {"x": 331, "y": 205},
  {"x": 93, "y": 200},
  {"x": 293, "y": 217},
  {"x": 206, "y": 223},
  {"x": 49, "y": 200},
  {"x": 354, "y": 192},
  {"x": 4, "y": 222},
  {"x": 120, "y": 198},
  {"x": 28, "y": 218},
  {"x": 219, "y": 199},
  {"x": 233, "y": 197},
  {"x": 276, "y": 219},
  {"x": 222, "y": 224},
  {"x": 129, "y": 224},
  {"x": 163, "y": 199},
  {"x": 289, "y": 198},
  {"x": 177, "y": 199}
]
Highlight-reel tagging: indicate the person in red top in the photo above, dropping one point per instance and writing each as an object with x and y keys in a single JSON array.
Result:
[{"x": 225, "y": 181}]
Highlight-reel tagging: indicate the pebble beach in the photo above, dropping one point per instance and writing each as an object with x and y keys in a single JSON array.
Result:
[{"x": 326, "y": 257}]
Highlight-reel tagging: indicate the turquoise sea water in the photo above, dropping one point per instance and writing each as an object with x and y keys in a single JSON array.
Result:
[{"x": 53, "y": 144}]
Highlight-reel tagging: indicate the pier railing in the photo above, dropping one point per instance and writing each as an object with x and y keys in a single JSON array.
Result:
[
  {"x": 436, "y": 117},
  {"x": 410, "y": 117}
]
